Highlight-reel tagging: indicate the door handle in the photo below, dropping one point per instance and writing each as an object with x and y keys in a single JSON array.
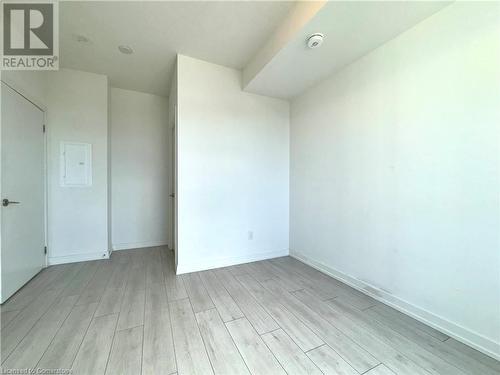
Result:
[
  {"x": 6, "y": 202},
  {"x": 172, "y": 195}
]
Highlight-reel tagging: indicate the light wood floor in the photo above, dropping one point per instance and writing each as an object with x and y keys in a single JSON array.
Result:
[{"x": 132, "y": 315}]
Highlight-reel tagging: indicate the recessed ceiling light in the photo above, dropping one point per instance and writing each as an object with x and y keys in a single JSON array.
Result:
[
  {"x": 81, "y": 38},
  {"x": 126, "y": 50}
]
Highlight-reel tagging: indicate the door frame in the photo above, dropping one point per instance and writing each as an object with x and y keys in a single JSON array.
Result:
[
  {"x": 175, "y": 185},
  {"x": 173, "y": 181},
  {"x": 42, "y": 108}
]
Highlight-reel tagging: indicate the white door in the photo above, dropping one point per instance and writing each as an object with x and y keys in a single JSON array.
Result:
[{"x": 22, "y": 192}]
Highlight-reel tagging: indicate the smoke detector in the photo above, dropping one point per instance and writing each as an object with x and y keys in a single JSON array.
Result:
[{"x": 315, "y": 40}]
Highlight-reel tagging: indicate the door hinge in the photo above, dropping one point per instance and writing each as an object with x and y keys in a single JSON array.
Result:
[
  {"x": 44, "y": 128},
  {"x": 45, "y": 249}
]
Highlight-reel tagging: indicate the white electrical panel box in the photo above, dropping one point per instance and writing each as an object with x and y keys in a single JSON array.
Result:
[{"x": 76, "y": 164}]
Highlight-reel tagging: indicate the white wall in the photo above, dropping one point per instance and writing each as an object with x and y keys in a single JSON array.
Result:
[
  {"x": 395, "y": 173},
  {"x": 77, "y": 110},
  {"x": 232, "y": 173},
  {"x": 31, "y": 84},
  {"x": 76, "y": 107},
  {"x": 140, "y": 155}
]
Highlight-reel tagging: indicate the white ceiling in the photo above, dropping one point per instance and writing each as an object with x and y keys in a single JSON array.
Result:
[
  {"x": 351, "y": 28},
  {"x": 225, "y": 33},
  {"x": 229, "y": 33}
]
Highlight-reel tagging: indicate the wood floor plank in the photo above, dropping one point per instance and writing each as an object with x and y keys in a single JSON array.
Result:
[
  {"x": 72, "y": 315},
  {"x": 283, "y": 278},
  {"x": 40, "y": 283},
  {"x": 43, "y": 280},
  {"x": 119, "y": 276},
  {"x": 137, "y": 258},
  {"x": 103, "y": 274},
  {"x": 397, "y": 318},
  {"x": 289, "y": 355},
  {"x": 298, "y": 331},
  {"x": 237, "y": 269},
  {"x": 473, "y": 353},
  {"x": 167, "y": 262},
  {"x": 190, "y": 352},
  {"x": 7, "y": 316},
  {"x": 173, "y": 283},
  {"x": 388, "y": 345},
  {"x": 330, "y": 362},
  {"x": 200, "y": 300},
  {"x": 329, "y": 285},
  {"x": 111, "y": 301},
  {"x": 380, "y": 370},
  {"x": 313, "y": 286},
  {"x": 120, "y": 256},
  {"x": 158, "y": 351},
  {"x": 64, "y": 278},
  {"x": 357, "y": 299},
  {"x": 437, "y": 349},
  {"x": 154, "y": 271},
  {"x": 228, "y": 309},
  {"x": 96, "y": 287},
  {"x": 320, "y": 278},
  {"x": 423, "y": 340},
  {"x": 78, "y": 283},
  {"x": 255, "y": 353},
  {"x": 156, "y": 297},
  {"x": 132, "y": 309},
  {"x": 24, "y": 321},
  {"x": 31, "y": 348},
  {"x": 254, "y": 312},
  {"x": 136, "y": 277},
  {"x": 62, "y": 350},
  {"x": 222, "y": 351},
  {"x": 359, "y": 358},
  {"x": 175, "y": 288},
  {"x": 259, "y": 272},
  {"x": 91, "y": 295},
  {"x": 301, "y": 268},
  {"x": 363, "y": 337},
  {"x": 93, "y": 355},
  {"x": 126, "y": 352},
  {"x": 18, "y": 301}
]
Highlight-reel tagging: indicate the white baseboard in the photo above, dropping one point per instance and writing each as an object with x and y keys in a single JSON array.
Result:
[
  {"x": 458, "y": 332},
  {"x": 77, "y": 258},
  {"x": 225, "y": 262},
  {"x": 137, "y": 245}
]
